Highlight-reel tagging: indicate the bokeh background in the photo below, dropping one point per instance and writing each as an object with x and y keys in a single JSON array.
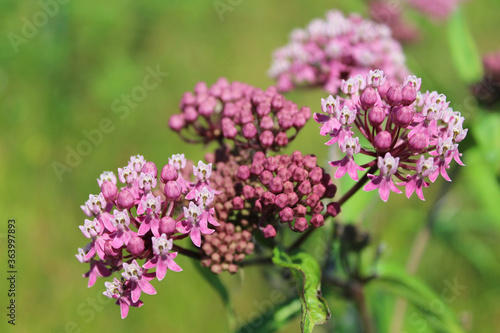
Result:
[{"x": 73, "y": 71}]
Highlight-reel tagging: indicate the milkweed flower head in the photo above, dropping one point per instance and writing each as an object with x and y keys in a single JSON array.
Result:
[
  {"x": 330, "y": 50},
  {"x": 412, "y": 135},
  {"x": 133, "y": 231}
]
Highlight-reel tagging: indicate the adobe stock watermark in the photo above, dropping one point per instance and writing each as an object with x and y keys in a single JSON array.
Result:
[
  {"x": 87, "y": 310},
  {"x": 31, "y": 26},
  {"x": 449, "y": 294},
  {"x": 223, "y": 6},
  {"x": 121, "y": 106}
]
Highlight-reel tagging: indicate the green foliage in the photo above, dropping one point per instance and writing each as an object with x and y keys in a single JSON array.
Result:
[{"x": 306, "y": 271}]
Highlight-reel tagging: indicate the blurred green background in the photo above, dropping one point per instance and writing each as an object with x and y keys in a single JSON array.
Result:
[{"x": 65, "y": 78}]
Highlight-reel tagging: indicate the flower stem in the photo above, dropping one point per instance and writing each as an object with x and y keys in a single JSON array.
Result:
[
  {"x": 360, "y": 299},
  {"x": 358, "y": 185},
  {"x": 186, "y": 252}
]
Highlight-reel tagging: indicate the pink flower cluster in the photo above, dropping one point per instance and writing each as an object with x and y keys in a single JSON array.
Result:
[
  {"x": 437, "y": 9},
  {"x": 132, "y": 223},
  {"x": 413, "y": 135},
  {"x": 330, "y": 50},
  {"x": 235, "y": 111}
]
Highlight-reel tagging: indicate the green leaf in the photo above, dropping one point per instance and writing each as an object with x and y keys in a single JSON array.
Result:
[
  {"x": 216, "y": 283},
  {"x": 465, "y": 55},
  {"x": 306, "y": 271},
  {"x": 419, "y": 294},
  {"x": 274, "y": 319}
]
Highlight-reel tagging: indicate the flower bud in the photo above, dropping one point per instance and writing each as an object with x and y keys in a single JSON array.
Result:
[
  {"x": 304, "y": 187},
  {"x": 283, "y": 174},
  {"x": 300, "y": 224},
  {"x": 109, "y": 191},
  {"x": 243, "y": 172},
  {"x": 265, "y": 177},
  {"x": 317, "y": 220},
  {"x": 286, "y": 214},
  {"x": 248, "y": 192},
  {"x": 238, "y": 203},
  {"x": 190, "y": 114},
  {"x": 281, "y": 139},
  {"x": 368, "y": 98},
  {"x": 256, "y": 168},
  {"x": 403, "y": 116},
  {"x": 135, "y": 246},
  {"x": 316, "y": 175},
  {"x": 300, "y": 210},
  {"x": 409, "y": 95},
  {"x": 376, "y": 116},
  {"x": 281, "y": 200},
  {"x": 228, "y": 129},
  {"x": 125, "y": 199},
  {"x": 299, "y": 174},
  {"x": 168, "y": 173},
  {"x": 276, "y": 185},
  {"x": 172, "y": 190},
  {"x": 288, "y": 187},
  {"x": 268, "y": 198},
  {"x": 167, "y": 225},
  {"x": 382, "y": 141},
  {"x": 266, "y": 139},
  {"x": 333, "y": 209},
  {"x": 293, "y": 198},
  {"x": 312, "y": 200},
  {"x": 249, "y": 131},
  {"x": 269, "y": 231},
  {"x": 418, "y": 142},
  {"x": 271, "y": 163},
  {"x": 382, "y": 90},
  {"x": 394, "y": 95},
  {"x": 266, "y": 123},
  {"x": 176, "y": 122}
]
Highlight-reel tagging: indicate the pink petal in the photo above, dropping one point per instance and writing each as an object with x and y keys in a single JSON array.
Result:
[
  {"x": 146, "y": 287},
  {"x": 124, "y": 309},
  {"x": 195, "y": 236},
  {"x": 184, "y": 226},
  {"x": 144, "y": 228},
  {"x": 172, "y": 265},
  {"x": 384, "y": 190},
  {"x": 136, "y": 292},
  {"x": 161, "y": 270},
  {"x": 151, "y": 264}
]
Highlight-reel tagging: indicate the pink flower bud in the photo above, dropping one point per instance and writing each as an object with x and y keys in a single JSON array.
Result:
[
  {"x": 135, "y": 246},
  {"x": 312, "y": 200},
  {"x": 304, "y": 187},
  {"x": 368, "y": 98},
  {"x": 317, "y": 220},
  {"x": 293, "y": 198},
  {"x": 319, "y": 190},
  {"x": 277, "y": 102},
  {"x": 256, "y": 168},
  {"x": 409, "y": 94},
  {"x": 266, "y": 123},
  {"x": 403, "y": 116},
  {"x": 228, "y": 129},
  {"x": 382, "y": 90},
  {"x": 283, "y": 174},
  {"x": 238, "y": 203},
  {"x": 109, "y": 191},
  {"x": 376, "y": 116},
  {"x": 168, "y": 173},
  {"x": 190, "y": 114},
  {"x": 316, "y": 175},
  {"x": 394, "y": 95},
  {"x": 263, "y": 109},
  {"x": 286, "y": 214},
  {"x": 299, "y": 174},
  {"x": 382, "y": 141},
  {"x": 265, "y": 177},
  {"x": 125, "y": 199},
  {"x": 281, "y": 139},
  {"x": 333, "y": 209},
  {"x": 288, "y": 187},
  {"x": 266, "y": 139},
  {"x": 167, "y": 225},
  {"x": 172, "y": 190},
  {"x": 150, "y": 167},
  {"x": 281, "y": 200},
  {"x": 300, "y": 224},
  {"x": 248, "y": 192},
  {"x": 243, "y": 172},
  {"x": 271, "y": 163},
  {"x": 176, "y": 122},
  {"x": 259, "y": 157},
  {"x": 418, "y": 142},
  {"x": 269, "y": 231},
  {"x": 310, "y": 161},
  {"x": 268, "y": 198},
  {"x": 300, "y": 210},
  {"x": 249, "y": 131},
  {"x": 276, "y": 185}
]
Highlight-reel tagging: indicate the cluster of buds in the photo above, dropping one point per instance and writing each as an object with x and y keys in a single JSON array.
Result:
[
  {"x": 413, "y": 135},
  {"x": 245, "y": 115},
  {"x": 132, "y": 224},
  {"x": 226, "y": 248},
  {"x": 330, "y": 50}
]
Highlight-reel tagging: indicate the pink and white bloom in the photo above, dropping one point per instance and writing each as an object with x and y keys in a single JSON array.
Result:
[
  {"x": 388, "y": 166},
  {"x": 136, "y": 163},
  {"x": 115, "y": 290},
  {"x": 106, "y": 176},
  {"x": 127, "y": 174},
  {"x": 416, "y": 183},
  {"x": 347, "y": 165},
  {"x": 162, "y": 259},
  {"x": 138, "y": 280},
  {"x": 202, "y": 171},
  {"x": 194, "y": 224},
  {"x": 146, "y": 182}
]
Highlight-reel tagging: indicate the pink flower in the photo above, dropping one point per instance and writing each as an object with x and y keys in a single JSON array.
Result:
[
  {"x": 127, "y": 174},
  {"x": 115, "y": 290},
  {"x": 162, "y": 259},
  {"x": 138, "y": 280},
  {"x": 106, "y": 176},
  {"x": 349, "y": 147},
  {"x": 416, "y": 183},
  {"x": 146, "y": 181},
  {"x": 194, "y": 224},
  {"x": 136, "y": 163},
  {"x": 388, "y": 166}
]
